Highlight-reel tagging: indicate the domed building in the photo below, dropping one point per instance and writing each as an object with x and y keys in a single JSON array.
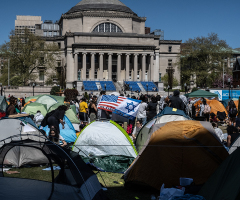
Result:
[{"x": 106, "y": 40}]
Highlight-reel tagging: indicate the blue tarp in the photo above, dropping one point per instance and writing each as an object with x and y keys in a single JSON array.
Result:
[
  {"x": 68, "y": 133},
  {"x": 172, "y": 111}
]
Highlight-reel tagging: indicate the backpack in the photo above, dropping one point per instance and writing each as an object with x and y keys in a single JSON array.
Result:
[
  {"x": 233, "y": 112},
  {"x": 207, "y": 109}
]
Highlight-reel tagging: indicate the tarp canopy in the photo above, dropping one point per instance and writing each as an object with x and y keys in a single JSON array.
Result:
[
  {"x": 224, "y": 182},
  {"x": 201, "y": 93},
  {"x": 177, "y": 149},
  {"x": 106, "y": 145},
  {"x": 33, "y": 107}
]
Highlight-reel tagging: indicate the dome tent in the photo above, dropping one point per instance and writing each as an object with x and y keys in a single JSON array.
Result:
[
  {"x": 167, "y": 115},
  {"x": 74, "y": 181},
  {"x": 106, "y": 146},
  {"x": 177, "y": 149},
  {"x": 32, "y": 108}
]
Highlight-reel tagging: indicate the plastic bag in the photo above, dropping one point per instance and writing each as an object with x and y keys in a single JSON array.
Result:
[{"x": 169, "y": 193}]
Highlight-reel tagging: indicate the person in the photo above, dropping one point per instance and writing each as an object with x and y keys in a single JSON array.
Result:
[
  {"x": 56, "y": 117},
  {"x": 93, "y": 109},
  {"x": 207, "y": 110},
  {"x": 38, "y": 117},
  {"x": 136, "y": 129},
  {"x": 55, "y": 137},
  {"x": 202, "y": 106},
  {"x": 11, "y": 107},
  {"x": 176, "y": 102},
  {"x": 152, "y": 108},
  {"x": 142, "y": 111},
  {"x": 218, "y": 131},
  {"x": 213, "y": 118},
  {"x": 233, "y": 134},
  {"x": 83, "y": 109},
  {"x": 77, "y": 105},
  {"x": 232, "y": 110}
]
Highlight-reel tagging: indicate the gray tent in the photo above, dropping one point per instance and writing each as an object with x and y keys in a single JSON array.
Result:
[
  {"x": 3, "y": 103},
  {"x": 75, "y": 180}
]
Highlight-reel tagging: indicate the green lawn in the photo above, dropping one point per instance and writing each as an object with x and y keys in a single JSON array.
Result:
[{"x": 113, "y": 182}]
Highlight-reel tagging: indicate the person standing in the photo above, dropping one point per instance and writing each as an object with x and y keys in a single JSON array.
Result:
[
  {"x": 207, "y": 110},
  {"x": 176, "y": 102},
  {"x": 83, "y": 110},
  {"x": 152, "y": 108},
  {"x": 93, "y": 109},
  {"x": 142, "y": 111},
  {"x": 136, "y": 129}
]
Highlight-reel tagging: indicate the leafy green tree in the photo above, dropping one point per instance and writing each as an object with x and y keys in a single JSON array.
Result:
[
  {"x": 28, "y": 54},
  {"x": 165, "y": 81},
  {"x": 203, "y": 58},
  {"x": 54, "y": 90}
]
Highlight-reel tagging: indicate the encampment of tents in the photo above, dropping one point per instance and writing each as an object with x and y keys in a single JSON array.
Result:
[
  {"x": 177, "y": 149},
  {"x": 106, "y": 146},
  {"x": 201, "y": 93},
  {"x": 224, "y": 182},
  {"x": 33, "y": 107},
  {"x": 74, "y": 180}
]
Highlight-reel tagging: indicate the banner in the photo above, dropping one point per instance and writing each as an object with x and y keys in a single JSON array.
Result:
[{"x": 224, "y": 94}]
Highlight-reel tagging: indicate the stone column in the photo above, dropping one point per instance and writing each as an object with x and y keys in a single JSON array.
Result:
[
  {"x": 70, "y": 69},
  {"x": 151, "y": 66},
  {"x": 92, "y": 66},
  {"x": 127, "y": 67},
  {"x": 156, "y": 67},
  {"x": 109, "y": 66},
  {"x": 76, "y": 66},
  {"x": 143, "y": 67},
  {"x": 135, "y": 67},
  {"x": 84, "y": 66},
  {"x": 119, "y": 66},
  {"x": 100, "y": 66}
]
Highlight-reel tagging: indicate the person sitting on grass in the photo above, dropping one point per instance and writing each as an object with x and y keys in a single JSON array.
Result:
[{"x": 55, "y": 137}]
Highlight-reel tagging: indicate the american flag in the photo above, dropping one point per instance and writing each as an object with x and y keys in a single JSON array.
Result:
[{"x": 109, "y": 102}]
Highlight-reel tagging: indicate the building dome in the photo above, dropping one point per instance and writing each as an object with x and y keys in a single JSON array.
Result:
[{"x": 100, "y": 5}]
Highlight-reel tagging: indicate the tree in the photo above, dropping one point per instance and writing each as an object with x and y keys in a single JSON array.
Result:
[
  {"x": 204, "y": 58},
  {"x": 165, "y": 81},
  {"x": 219, "y": 81},
  {"x": 28, "y": 55}
]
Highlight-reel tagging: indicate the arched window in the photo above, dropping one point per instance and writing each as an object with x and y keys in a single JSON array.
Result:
[{"x": 107, "y": 27}]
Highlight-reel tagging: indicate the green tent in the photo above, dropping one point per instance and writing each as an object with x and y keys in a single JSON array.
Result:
[
  {"x": 70, "y": 113},
  {"x": 48, "y": 100},
  {"x": 32, "y": 108},
  {"x": 201, "y": 93},
  {"x": 59, "y": 99},
  {"x": 224, "y": 182}
]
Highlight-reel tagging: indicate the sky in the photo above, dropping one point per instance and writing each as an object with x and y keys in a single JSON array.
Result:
[{"x": 179, "y": 19}]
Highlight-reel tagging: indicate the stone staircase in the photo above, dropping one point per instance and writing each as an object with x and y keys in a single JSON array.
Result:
[
  {"x": 141, "y": 87},
  {"x": 99, "y": 86},
  {"x": 118, "y": 86}
]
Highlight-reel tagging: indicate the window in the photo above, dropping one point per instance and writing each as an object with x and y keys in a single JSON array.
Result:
[
  {"x": 169, "y": 62},
  {"x": 107, "y": 27},
  {"x": 79, "y": 75},
  {"x": 170, "y": 49},
  {"x": 95, "y": 74},
  {"x": 41, "y": 75},
  {"x": 87, "y": 73},
  {"x": 160, "y": 77}
]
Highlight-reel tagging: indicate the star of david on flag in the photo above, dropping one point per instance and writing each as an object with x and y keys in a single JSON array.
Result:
[{"x": 123, "y": 106}]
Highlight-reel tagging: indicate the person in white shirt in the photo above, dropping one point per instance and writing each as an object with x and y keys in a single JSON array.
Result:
[
  {"x": 142, "y": 113},
  {"x": 218, "y": 131},
  {"x": 38, "y": 117},
  {"x": 136, "y": 129}
]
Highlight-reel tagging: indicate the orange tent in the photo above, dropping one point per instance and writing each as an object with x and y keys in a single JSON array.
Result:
[
  {"x": 216, "y": 106},
  {"x": 30, "y": 101}
]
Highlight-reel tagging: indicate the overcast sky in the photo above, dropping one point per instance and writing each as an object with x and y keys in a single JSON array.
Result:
[{"x": 180, "y": 19}]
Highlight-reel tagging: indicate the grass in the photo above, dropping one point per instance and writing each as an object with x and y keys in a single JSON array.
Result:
[{"x": 113, "y": 182}]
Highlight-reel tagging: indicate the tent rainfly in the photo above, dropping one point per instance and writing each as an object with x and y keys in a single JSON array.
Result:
[{"x": 201, "y": 93}]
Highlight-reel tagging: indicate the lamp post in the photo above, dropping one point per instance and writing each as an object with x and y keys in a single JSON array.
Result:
[
  {"x": 105, "y": 86},
  {"x": 185, "y": 86},
  {"x": 168, "y": 89},
  {"x": 229, "y": 81},
  {"x": 147, "y": 88},
  {"x": 33, "y": 87}
]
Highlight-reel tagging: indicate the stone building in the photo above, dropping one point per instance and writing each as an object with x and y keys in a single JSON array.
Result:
[{"x": 106, "y": 40}]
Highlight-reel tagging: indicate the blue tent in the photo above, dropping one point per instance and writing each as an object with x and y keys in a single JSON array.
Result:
[
  {"x": 172, "y": 111},
  {"x": 68, "y": 133}
]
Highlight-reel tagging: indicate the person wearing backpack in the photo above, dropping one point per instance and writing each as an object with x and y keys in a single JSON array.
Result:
[{"x": 207, "y": 110}]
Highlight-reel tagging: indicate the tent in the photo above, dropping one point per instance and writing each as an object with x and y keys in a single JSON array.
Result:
[
  {"x": 48, "y": 100},
  {"x": 216, "y": 106},
  {"x": 201, "y": 93},
  {"x": 106, "y": 145},
  {"x": 59, "y": 99},
  {"x": 68, "y": 133},
  {"x": 177, "y": 149},
  {"x": 74, "y": 180},
  {"x": 225, "y": 102},
  {"x": 224, "y": 182},
  {"x": 167, "y": 115},
  {"x": 70, "y": 113},
  {"x": 32, "y": 108},
  {"x": 3, "y": 104}
]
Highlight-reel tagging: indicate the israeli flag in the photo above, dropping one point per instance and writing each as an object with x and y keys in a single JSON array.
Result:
[{"x": 128, "y": 108}]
